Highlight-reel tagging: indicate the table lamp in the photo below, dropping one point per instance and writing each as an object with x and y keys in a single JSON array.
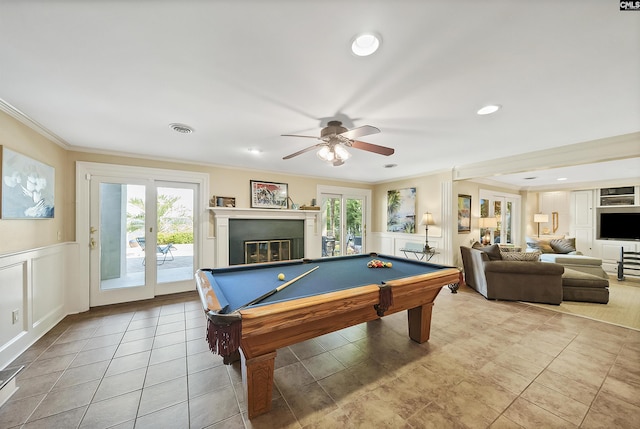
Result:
[
  {"x": 427, "y": 220},
  {"x": 540, "y": 218},
  {"x": 487, "y": 223}
]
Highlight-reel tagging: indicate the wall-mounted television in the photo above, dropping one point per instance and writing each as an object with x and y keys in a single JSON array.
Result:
[{"x": 619, "y": 226}]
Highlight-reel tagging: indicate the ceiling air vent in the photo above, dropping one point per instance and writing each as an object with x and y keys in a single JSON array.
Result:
[{"x": 181, "y": 128}]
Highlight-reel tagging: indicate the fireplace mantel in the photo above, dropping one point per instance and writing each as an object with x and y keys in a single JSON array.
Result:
[{"x": 221, "y": 215}]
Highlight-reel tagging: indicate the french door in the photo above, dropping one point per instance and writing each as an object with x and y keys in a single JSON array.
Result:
[
  {"x": 343, "y": 223},
  {"x": 506, "y": 209},
  {"x": 141, "y": 238}
]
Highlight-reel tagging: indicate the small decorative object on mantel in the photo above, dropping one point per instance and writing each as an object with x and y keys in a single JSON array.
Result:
[
  {"x": 222, "y": 201},
  {"x": 269, "y": 195},
  {"x": 303, "y": 207}
]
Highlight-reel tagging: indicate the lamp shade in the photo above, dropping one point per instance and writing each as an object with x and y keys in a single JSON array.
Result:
[
  {"x": 427, "y": 219},
  {"x": 540, "y": 218},
  {"x": 488, "y": 222}
]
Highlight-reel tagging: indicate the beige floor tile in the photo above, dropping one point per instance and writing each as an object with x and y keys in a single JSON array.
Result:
[
  {"x": 35, "y": 385},
  {"x": 369, "y": 410},
  {"x": 66, "y": 419},
  {"x": 574, "y": 389},
  {"x": 505, "y": 378},
  {"x": 433, "y": 417},
  {"x": 82, "y": 374},
  {"x": 531, "y": 416},
  {"x": 163, "y": 395},
  {"x": 94, "y": 355},
  {"x": 65, "y": 399},
  {"x": 128, "y": 363},
  {"x": 625, "y": 389},
  {"x": 175, "y": 416},
  {"x": 208, "y": 380},
  {"x": 203, "y": 414},
  {"x": 164, "y": 354},
  {"x": 132, "y": 347},
  {"x": 556, "y": 403},
  {"x": 322, "y": 365},
  {"x": 348, "y": 355},
  {"x": 120, "y": 384},
  {"x": 291, "y": 377},
  {"x": 16, "y": 411},
  {"x": 610, "y": 412},
  {"x": 111, "y": 412},
  {"x": 306, "y": 349}
]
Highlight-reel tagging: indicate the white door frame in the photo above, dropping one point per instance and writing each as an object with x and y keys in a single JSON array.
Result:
[
  {"x": 355, "y": 193},
  {"x": 84, "y": 171}
]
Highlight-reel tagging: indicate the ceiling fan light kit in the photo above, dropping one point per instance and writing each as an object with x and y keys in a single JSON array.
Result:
[{"x": 335, "y": 139}]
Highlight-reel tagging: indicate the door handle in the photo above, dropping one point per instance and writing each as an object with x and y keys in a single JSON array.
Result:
[{"x": 92, "y": 244}]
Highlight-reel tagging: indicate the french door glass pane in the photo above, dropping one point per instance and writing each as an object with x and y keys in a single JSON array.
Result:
[
  {"x": 122, "y": 219},
  {"x": 331, "y": 226},
  {"x": 354, "y": 226},
  {"x": 174, "y": 258}
]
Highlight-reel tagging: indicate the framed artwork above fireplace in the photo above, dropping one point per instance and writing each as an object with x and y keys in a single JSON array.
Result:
[{"x": 269, "y": 195}]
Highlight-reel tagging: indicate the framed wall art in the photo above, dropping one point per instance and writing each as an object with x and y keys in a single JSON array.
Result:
[
  {"x": 269, "y": 195},
  {"x": 401, "y": 210},
  {"x": 27, "y": 187},
  {"x": 464, "y": 213}
]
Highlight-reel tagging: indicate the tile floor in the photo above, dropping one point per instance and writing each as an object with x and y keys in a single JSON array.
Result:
[{"x": 487, "y": 364}]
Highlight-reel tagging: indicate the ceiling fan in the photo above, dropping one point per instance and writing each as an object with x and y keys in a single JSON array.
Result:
[{"x": 335, "y": 138}]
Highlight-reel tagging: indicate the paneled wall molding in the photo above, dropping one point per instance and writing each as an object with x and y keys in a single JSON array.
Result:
[{"x": 37, "y": 288}]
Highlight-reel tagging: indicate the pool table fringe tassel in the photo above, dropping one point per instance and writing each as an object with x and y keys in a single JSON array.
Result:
[{"x": 224, "y": 338}]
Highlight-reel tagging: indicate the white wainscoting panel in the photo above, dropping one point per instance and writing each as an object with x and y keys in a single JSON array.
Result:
[
  {"x": 13, "y": 284},
  {"x": 34, "y": 282}
]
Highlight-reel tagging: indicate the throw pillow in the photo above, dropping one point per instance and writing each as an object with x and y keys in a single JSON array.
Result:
[
  {"x": 564, "y": 245},
  {"x": 539, "y": 244},
  {"x": 493, "y": 251},
  {"x": 521, "y": 256}
]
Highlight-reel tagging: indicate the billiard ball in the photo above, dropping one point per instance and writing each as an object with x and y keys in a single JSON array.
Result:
[{"x": 280, "y": 276}]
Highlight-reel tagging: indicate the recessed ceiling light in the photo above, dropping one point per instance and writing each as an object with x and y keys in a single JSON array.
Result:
[
  {"x": 489, "y": 109},
  {"x": 561, "y": 178},
  {"x": 365, "y": 44},
  {"x": 181, "y": 128}
]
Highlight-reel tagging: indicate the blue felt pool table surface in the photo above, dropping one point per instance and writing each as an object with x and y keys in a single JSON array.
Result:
[{"x": 239, "y": 285}]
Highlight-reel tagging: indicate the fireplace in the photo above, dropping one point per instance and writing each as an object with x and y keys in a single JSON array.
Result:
[
  {"x": 234, "y": 227},
  {"x": 267, "y": 251}
]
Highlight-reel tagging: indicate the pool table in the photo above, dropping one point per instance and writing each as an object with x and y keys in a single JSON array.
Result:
[{"x": 340, "y": 292}]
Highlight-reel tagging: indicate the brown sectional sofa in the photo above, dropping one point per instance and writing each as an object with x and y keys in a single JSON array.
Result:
[{"x": 511, "y": 280}]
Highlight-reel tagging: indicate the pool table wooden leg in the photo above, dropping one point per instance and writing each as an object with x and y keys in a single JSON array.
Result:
[
  {"x": 420, "y": 322},
  {"x": 257, "y": 377}
]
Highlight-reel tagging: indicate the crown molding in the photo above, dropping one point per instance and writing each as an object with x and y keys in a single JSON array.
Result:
[
  {"x": 601, "y": 150},
  {"x": 35, "y": 126}
]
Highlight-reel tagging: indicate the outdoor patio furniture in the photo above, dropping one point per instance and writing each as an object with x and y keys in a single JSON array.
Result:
[{"x": 163, "y": 252}]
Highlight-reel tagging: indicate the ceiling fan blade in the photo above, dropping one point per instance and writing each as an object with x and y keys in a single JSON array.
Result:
[
  {"x": 300, "y": 152},
  {"x": 297, "y": 135},
  {"x": 370, "y": 147},
  {"x": 364, "y": 130}
]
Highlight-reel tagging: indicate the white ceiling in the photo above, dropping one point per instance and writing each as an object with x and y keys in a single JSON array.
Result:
[{"x": 110, "y": 76}]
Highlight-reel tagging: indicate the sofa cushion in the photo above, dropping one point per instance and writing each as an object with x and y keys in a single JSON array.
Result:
[
  {"x": 573, "y": 278},
  {"x": 563, "y": 245},
  {"x": 493, "y": 251},
  {"x": 521, "y": 256}
]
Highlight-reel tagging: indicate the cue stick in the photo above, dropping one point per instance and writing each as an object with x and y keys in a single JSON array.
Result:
[{"x": 278, "y": 289}]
